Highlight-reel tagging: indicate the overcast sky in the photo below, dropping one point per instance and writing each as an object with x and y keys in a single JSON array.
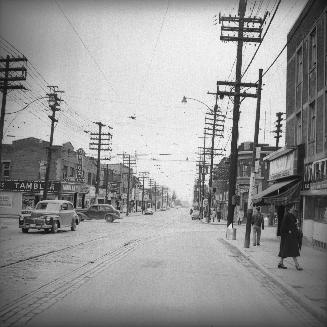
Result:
[{"x": 115, "y": 59}]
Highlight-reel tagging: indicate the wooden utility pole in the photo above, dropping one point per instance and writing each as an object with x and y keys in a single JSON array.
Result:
[
  {"x": 253, "y": 165},
  {"x": 5, "y": 85},
  {"x": 155, "y": 196},
  {"x": 53, "y": 103},
  {"x": 241, "y": 37},
  {"x": 99, "y": 146},
  {"x": 129, "y": 161},
  {"x": 278, "y": 130},
  {"x": 143, "y": 175}
]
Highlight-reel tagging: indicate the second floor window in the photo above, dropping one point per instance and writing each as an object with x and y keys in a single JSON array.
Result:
[
  {"x": 299, "y": 128},
  {"x": 299, "y": 66},
  {"x": 312, "y": 122},
  {"x": 65, "y": 172},
  {"x": 313, "y": 49},
  {"x": 6, "y": 169}
]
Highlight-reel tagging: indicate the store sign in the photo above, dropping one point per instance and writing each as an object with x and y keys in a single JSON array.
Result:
[
  {"x": 5, "y": 201},
  {"x": 29, "y": 186},
  {"x": 282, "y": 166},
  {"x": 79, "y": 167},
  {"x": 315, "y": 175}
]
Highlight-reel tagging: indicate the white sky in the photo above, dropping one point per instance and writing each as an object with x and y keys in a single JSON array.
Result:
[{"x": 114, "y": 59}]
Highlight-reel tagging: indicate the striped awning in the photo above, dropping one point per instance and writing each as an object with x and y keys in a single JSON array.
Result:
[{"x": 280, "y": 193}]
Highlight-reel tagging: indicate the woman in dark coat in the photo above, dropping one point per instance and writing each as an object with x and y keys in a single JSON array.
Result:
[{"x": 289, "y": 243}]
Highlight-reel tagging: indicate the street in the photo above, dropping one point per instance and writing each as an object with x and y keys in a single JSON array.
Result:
[{"x": 162, "y": 269}]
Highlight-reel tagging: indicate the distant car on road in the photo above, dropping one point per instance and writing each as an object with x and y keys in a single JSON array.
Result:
[
  {"x": 195, "y": 214},
  {"x": 26, "y": 212},
  {"x": 100, "y": 211},
  {"x": 50, "y": 215},
  {"x": 148, "y": 211},
  {"x": 163, "y": 209}
]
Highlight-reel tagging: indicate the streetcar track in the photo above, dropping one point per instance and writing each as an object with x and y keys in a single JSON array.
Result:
[{"x": 29, "y": 305}]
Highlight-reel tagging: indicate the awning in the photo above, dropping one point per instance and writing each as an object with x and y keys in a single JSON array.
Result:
[{"x": 279, "y": 193}]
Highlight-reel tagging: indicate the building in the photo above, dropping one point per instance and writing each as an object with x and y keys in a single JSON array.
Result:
[
  {"x": 306, "y": 112},
  {"x": 244, "y": 163},
  {"x": 72, "y": 174},
  {"x": 299, "y": 171}
]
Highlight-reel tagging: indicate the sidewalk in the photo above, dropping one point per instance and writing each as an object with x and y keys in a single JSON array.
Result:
[{"x": 308, "y": 286}]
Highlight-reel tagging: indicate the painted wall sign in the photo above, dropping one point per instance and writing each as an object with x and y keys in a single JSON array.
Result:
[
  {"x": 315, "y": 175},
  {"x": 28, "y": 186},
  {"x": 5, "y": 201},
  {"x": 282, "y": 166}
]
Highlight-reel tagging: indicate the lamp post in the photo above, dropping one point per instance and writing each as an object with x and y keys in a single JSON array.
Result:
[{"x": 184, "y": 100}]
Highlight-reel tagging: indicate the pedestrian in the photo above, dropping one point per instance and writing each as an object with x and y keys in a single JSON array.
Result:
[
  {"x": 290, "y": 238},
  {"x": 257, "y": 224}
]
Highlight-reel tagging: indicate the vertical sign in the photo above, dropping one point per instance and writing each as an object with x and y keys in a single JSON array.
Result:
[{"x": 80, "y": 153}]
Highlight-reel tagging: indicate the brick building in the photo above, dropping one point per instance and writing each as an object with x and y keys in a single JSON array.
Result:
[
  {"x": 306, "y": 112},
  {"x": 299, "y": 170},
  {"x": 72, "y": 174}
]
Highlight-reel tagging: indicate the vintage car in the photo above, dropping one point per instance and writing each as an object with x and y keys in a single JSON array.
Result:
[
  {"x": 100, "y": 211},
  {"x": 50, "y": 215},
  {"x": 148, "y": 211}
]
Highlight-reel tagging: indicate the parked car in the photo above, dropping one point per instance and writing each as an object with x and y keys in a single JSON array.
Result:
[
  {"x": 26, "y": 212},
  {"x": 100, "y": 211},
  {"x": 148, "y": 211},
  {"x": 50, "y": 215},
  {"x": 195, "y": 214}
]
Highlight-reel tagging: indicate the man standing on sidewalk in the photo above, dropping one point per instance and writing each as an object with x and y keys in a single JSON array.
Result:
[{"x": 257, "y": 223}]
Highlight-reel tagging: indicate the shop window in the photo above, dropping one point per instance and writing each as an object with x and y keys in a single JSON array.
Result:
[{"x": 6, "y": 169}]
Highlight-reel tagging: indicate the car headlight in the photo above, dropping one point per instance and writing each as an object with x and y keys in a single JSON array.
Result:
[
  {"x": 47, "y": 219},
  {"x": 21, "y": 218}
]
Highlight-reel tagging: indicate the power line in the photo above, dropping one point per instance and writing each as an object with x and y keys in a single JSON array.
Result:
[{"x": 85, "y": 46}]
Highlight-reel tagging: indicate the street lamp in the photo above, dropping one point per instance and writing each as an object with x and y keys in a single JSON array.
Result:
[{"x": 184, "y": 100}]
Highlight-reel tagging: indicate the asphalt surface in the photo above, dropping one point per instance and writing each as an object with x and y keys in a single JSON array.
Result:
[{"x": 161, "y": 270}]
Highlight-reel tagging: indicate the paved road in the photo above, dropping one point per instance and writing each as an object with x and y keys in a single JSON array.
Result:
[{"x": 155, "y": 270}]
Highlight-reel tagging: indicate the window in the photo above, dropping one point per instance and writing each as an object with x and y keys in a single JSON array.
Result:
[
  {"x": 312, "y": 122},
  {"x": 299, "y": 66},
  {"x": 6, "y": 169},
  {"x": 71, "y": 172},
  {"x": 65, "y": 172},
  {"x": 313, "y": 49},
  {"x": 89, "y": 178},
  {"x": 299, "y": 128}
]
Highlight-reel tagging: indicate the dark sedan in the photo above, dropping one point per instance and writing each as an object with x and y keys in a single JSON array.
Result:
[{"x": 100, "y": 211}]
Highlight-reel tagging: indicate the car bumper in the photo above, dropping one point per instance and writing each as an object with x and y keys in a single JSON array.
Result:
[{"x": 36, "y": 226}]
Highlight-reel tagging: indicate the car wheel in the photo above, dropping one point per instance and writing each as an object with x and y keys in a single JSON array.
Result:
[
  {"x": 109, "y": 218},
  {"x": 54, "y": 228},
  {"x": 25, "y": 230},
  {"x": 73, "y": 226},
  {"x": 47, "y": 230}
]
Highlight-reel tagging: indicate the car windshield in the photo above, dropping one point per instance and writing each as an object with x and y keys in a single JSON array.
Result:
[{"x": 49, "y": 206}]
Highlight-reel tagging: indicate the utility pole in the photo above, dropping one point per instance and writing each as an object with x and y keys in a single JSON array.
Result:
[
  {"x": 242, "y": 29},
  {"x": 212, "y": 130},
  {"x": 203, "y": 172},
  {"x": 100, "y": 146},
  {"x": 162, "y": 196},
  {"x": 129, "y": 161},
  {"x": 53, "y": 103},
  {"x": 143, "y": 175},
  {"x": 253, "y": 165},
  {"x": 155, "y": 196},
  {"x": 5, "y": 85},
  {"x": 278, "y": 130},
  {"x": 107, "y": 170}
]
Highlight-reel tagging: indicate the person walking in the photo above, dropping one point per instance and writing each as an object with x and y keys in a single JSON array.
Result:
[
  {"x": 289, "y": 240},
  {"x": 257, "y": 224}
]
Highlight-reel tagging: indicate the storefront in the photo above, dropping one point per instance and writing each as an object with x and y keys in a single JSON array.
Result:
[
  {"x": 75, "y": 193},
  {"x": 315, "y": 202},
  {"x": 285, "y": 177},
  {"x": 16, "y": 195}
]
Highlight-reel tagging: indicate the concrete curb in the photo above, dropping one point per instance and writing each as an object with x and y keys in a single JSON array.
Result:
[{"x": 306, "y": 304}]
